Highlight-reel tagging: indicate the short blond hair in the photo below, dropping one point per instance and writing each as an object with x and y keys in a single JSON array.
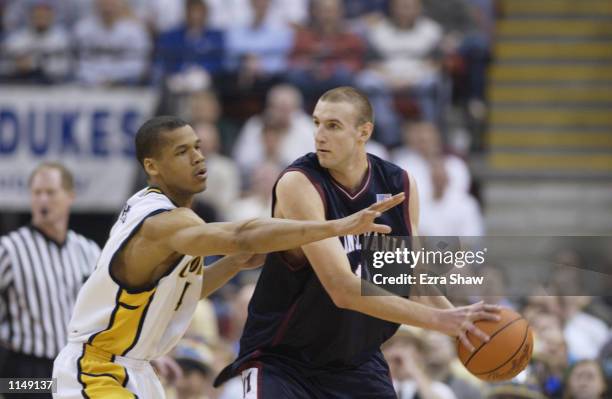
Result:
[{"x": 365, "y": 112}]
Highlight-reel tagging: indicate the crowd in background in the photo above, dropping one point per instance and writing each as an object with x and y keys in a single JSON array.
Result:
[{"x": 246, "y": 74}]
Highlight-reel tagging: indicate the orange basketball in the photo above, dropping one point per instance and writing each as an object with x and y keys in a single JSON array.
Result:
[{"x": 506, "y": 354}]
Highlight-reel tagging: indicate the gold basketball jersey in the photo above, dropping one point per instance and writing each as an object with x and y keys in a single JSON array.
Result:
[{"x": 142, "y": 324}]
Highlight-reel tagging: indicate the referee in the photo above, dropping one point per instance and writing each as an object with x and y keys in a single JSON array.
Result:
[{"x": 42, "y": 268}]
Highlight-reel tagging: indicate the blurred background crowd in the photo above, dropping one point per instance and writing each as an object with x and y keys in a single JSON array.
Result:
[{"x": 246, "y": 75}]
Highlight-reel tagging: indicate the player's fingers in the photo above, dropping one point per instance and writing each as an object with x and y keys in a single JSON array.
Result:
[
  {"x": 484, "y": 315},
  {"x": 466, "y": 342},
  {"x": 388, "y": 203},
  {"x": 381, "y": 228},
  {"x": 481, "y": 335},
  {"x": 392, "y": 202},
  {"x": 492, "y": 308}
]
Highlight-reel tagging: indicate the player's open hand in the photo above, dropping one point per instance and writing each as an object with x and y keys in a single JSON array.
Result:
[
  {"x": 363, "y": 221},
  {"x": 459, "y": 321}
]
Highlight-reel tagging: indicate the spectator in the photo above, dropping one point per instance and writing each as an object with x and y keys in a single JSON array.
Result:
[
  {"x": 585, "y": 380},
  {"x": 67, "y": 12},
  {"x": 42, "y": 268},
  {"x": 422, "y": 145},
  {"x": 160, "y": 16},
  {"x": 466, "y": 34},
  {"x": 39, "y": 53},
  {"x": 605, "y": 358},
  {"x": 191, "y": 49},
  {"x": 365, "y": 9},
  {"x": 223, "y": 183},
  {"x": 195, "y": 361},
  {"x": 405, "y": 354},
  {"x": 550, "y": 358},
  {"x": 325, "y": 54},
  {"x": 441, "y": 361},
  {"x": 449, "y": 212},
  {"x": 513, "y": 391},
  {"x": 259, "y": 50},
  {"x": 227, "y": 13},
  {"x": 284, "y": 117},
  {"x": 585, "y": 334},
  {"x": 113, "y": 48},
  {"x": 360, "y": 15},
  {"x": 204, "y": 107},
  {"x": 204, "y": 327},
  {"x": 258, "y": 201},
  {"x": 405, "y": 43}
]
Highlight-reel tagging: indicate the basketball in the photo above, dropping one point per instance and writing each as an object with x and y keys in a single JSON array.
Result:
[{"x": 506, "y": 354}]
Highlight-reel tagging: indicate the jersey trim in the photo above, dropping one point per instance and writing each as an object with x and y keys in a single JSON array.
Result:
[
  {"x": 100, "y": 376},
  {"x": 365, "y": 182},
  {"x": 135, "y": 230},
  {"x": 125, "y": 325},
  {"x": 157, "y": 190},
  {"x": 282, "y": 328}
]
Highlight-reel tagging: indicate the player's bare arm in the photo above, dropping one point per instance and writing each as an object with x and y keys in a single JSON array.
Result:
[
  {"x": 298, "y": 199},
  {"x": 164, "y": 238},
  {"x": 220, "y": 272}
]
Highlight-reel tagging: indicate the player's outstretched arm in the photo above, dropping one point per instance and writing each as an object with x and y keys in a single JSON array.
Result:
[
  {"x": 219, "y": 273},
  {"x": 182, "y": 231},
  {"x": 298, "y": 199}
]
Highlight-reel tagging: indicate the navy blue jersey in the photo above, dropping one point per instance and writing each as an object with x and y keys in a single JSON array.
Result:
[{"x": 291, "y": 316}]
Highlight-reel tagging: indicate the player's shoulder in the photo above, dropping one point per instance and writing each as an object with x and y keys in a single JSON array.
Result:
[
  {"x": 293, "y": 181},
  {"x": 304, "y": 171},
  {"x": 309, "y": 161},
  {"x": 148, "y": 201},
  {"x": 385, "y": 167},
  {"x": 169, "y": 221}
]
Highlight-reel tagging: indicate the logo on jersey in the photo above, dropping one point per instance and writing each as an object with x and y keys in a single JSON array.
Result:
[
  {"x": 196, "y": 265},
  {"x": 124, "y": 213},
  {"x": 382, "y": 197}
]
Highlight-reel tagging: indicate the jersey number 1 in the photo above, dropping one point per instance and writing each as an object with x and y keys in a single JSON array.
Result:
[{"x": 187, "y": 284}]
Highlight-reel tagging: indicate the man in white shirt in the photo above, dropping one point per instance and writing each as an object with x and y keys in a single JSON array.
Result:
[
  {"x": 112, "y": 48},
  {"x": 38, "y": 53},
  {"x": 283, "y": 112},
  {"x": 449, "y": 212}
]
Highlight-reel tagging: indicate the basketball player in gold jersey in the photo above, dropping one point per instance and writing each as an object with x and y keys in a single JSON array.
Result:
[{"x": 140, "y": 299}]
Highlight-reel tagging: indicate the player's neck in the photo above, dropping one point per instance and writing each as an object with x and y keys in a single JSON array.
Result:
[
  {"x": 56, "y": 231},
  {"x": 178, "y": 198},
  {"x": 352, "y": 173}
]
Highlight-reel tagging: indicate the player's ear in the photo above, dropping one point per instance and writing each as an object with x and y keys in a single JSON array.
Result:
[
  {"x": 71, "y": 196},
  {"x": 150, "y": 166},
  {"x": 365, "y": 131}
]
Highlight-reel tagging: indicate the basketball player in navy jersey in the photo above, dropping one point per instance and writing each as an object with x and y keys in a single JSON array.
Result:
[{"x": 310, "y": 333}]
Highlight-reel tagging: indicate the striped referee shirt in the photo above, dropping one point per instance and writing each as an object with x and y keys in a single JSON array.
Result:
[{"x": 39, "y": 283}]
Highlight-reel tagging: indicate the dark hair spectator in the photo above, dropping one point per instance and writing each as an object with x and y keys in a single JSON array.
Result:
[{"x": 40, "y": 51}]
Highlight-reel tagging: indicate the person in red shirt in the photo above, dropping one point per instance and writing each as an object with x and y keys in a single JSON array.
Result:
[{"x": 325, "y": 53}]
